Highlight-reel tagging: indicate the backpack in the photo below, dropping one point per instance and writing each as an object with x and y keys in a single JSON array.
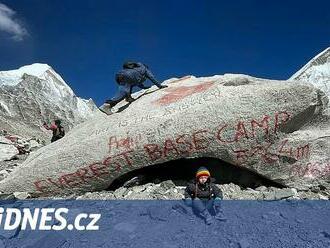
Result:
[
  {"x": 59, "y": 133},
  {"x": 130, "y": 65}
]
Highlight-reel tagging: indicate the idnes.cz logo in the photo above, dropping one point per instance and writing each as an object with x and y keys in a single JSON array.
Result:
[{"x": 45, "y": 219}]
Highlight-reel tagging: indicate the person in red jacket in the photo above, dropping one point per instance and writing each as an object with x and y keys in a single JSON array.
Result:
[{"x": 58, "y": 130}]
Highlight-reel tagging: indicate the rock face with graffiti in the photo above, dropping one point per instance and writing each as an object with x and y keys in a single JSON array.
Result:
[{"x": 275, "y": 128}]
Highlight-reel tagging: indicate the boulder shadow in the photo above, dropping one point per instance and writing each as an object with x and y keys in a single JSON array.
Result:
[{"x": 183, "y": 170}]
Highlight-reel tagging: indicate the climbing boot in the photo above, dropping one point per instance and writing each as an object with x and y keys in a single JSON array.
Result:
[
  {"x": 129, "y": 99},
  {"x": 207, "y": 217},
  {"x": 111, "y": 103},
  {"x": 220, "y": 216},
  {"x": 162, "y": 86}
]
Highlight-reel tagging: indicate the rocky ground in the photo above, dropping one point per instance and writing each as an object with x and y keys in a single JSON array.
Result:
[
  {"x": 167, "y": 190},
  {"x": 14, "y": 150}
]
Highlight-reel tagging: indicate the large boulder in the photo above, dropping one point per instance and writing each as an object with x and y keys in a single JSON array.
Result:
[{"x": 262, "y": 125}]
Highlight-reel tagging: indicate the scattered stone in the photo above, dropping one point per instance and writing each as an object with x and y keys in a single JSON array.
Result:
[
  {"x": 132, "y": 182},
  {"x": 4, "y": 196},
  {"x": 167, "y": 184},
  {"x": 269, "y": 196},
  {"x": 33, "y": 145},
  {"x": 21, "y": 149},
  {"x": 119, "y": 193},
  {"x": 7, "y": 150},
  {"x": 22, "y": 195},
  {"x": 261, "y": 188},
  {"x": 4, "y": 173},
  {"x": 324, "y": 187},
  {"x": 103, "y": 195},
  {"x": 285, "y": 193},
  {"x": 323, "y": 197},
  {"x": 315, "y": 189},
  {"x": 231, "y": 192},
  {"x": 308, "y": 195}
]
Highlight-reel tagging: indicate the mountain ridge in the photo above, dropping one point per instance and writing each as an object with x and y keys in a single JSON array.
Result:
[
  {"x": 36, "y": 93},
  {"x": 316, "y": 72}
]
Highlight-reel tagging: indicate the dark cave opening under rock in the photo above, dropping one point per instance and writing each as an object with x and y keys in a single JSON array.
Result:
[{"x": 183, "y": 170}]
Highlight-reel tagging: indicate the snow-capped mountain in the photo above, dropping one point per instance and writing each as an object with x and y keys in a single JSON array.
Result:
[
  {"x": 36, "y": 93},
  {"x": 317, "y": 72}
]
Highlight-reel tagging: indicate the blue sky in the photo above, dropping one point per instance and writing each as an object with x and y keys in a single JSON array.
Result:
[{"x": 87, "y": 41}]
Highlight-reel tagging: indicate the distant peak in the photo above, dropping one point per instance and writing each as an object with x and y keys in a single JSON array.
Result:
[
  {"x": 36, "y": 69},
  {"x": 327, "y": 49},
  {"x": 321, "y": 59},
  {"x": 39, "y": 70},
  {"x": 36, "y": 65}
]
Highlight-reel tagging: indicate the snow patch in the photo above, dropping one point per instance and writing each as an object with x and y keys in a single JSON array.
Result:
[
  {"x": 14, "y": 77},
  {"x": 316, "y": 72}
]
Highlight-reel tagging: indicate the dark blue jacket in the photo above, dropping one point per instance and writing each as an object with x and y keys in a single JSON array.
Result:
[{"x": 137, "y": 75}]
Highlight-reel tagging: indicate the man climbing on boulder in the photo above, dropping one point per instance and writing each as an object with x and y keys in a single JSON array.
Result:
[
  {"x": 58, "y": 130},
  {"x": 132, "y": 74},
  {"x": 204, "y": 196}
]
